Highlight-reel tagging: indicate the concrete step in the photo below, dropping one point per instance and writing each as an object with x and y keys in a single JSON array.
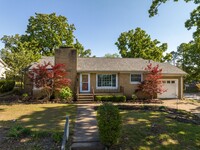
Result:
[
  {"x": 85, "y": 94},
  {"x": 85, "y": 99},
  {"x": 87, "y": 146}
]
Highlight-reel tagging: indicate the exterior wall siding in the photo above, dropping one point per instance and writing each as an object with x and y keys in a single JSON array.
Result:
[
  {"x": 129, "y": 88},
  {"x": 123, "y": 81}
]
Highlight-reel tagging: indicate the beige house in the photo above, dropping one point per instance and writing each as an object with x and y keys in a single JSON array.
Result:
[{"x": 100, "y": 76}]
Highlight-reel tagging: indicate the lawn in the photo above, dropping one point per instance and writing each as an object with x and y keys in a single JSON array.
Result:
[
  {"x": 40, "y": 118},
  {"x": 148, "y": 130}
]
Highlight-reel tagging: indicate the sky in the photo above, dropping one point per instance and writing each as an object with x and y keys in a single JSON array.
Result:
[{"x": 99, "y": 22}]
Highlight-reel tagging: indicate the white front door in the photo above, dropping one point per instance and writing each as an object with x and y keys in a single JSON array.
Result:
[
  {"x": 171, "y": 87},
  {"x": 84, "y": 82}
]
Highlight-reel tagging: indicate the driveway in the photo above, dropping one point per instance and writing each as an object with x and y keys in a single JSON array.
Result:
[
  {"x": 195, "y": 96},
  {"x": 188, "y": 105}
]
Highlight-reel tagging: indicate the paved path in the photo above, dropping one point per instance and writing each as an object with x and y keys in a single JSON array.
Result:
[{"x": 86, "y": 134}]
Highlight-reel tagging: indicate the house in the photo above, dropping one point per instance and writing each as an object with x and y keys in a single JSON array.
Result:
[
  {"x": 3, "y": 68},
  {"x": 111, "y": 75}
]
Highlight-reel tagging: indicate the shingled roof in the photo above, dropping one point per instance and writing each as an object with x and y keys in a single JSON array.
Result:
[
  {"x": 100, "y": 64},
  {"x": 122, "y": 65}
]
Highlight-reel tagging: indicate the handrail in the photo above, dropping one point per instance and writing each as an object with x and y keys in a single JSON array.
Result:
[{"x": 66, "y": 134}]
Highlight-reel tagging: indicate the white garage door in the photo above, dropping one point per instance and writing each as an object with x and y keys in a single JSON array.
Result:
[{"x": 171, "y": 85}]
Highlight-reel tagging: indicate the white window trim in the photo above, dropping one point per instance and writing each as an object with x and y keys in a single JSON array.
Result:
[
  {"x": 136, "y": 82},
  {"x": 81, "y": 82},
  {"x": 106, "y": 87}
]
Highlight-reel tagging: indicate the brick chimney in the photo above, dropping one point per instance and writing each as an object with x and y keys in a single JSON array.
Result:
[{"x": 68, "y": 56}]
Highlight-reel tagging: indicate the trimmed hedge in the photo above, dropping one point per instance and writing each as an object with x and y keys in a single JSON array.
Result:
[
  {"x": 6, "y": 85},
  {"x": 109, "y": 123},
  {"x": 110, "y": 98}
]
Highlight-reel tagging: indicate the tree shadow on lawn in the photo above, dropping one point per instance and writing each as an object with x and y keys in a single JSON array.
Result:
[
  {"x": 45, "y": 122},
  {"x": 48, "y": 119},
  {"x": 153, "y": 130}
]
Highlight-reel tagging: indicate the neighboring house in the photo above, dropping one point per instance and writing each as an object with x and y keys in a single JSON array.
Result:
[
  {"x": 3, "y": 68},
  {"x": 111, "y": 75}
]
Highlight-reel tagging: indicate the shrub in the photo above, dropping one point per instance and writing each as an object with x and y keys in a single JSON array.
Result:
[
  {"x": 19, "y": 131},
  {"x": 162, "y": 108},
  {"x": 57, "y": 137},
  {"x": 141, "y": 95},
  {"x": 66, "y": 94},
  {"x": 109, "y": 124},
  {"x": 24, "y": 95},
  {"x": 134, "y": 97},
  {"x": 6, "y": 85},
  {"x": 110, "y": 98}
]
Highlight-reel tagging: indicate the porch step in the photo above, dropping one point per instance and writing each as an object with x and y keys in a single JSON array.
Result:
[{"x": 85, "y": 97}]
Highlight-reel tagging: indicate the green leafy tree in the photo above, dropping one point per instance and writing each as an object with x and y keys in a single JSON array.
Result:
[
  {"x": 138, "y": 44},
  {"x": 193, "y": 21},
  {"x": 108, "y": 55},
  {"x": 81, "y": 50},
  {"x": 50, "y": 31},
  {"x": 189, "y": 59},
  {"x": 18, "y": 54},
  {"x": 175, "y": 57}
]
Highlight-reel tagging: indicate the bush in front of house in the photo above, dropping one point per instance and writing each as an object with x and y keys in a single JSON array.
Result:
[
  {"x": 6, "y": 85},
  {"x": 134, "y": 97},
  {"x": 109, "y": 124},
  {"x": 66, "y": 94},
  {"x": 111, "y": 98},
  {"x": 141, "y": 95}
]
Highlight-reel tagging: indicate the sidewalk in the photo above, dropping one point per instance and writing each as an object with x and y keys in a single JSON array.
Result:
[{"x": 86, "y": 134}]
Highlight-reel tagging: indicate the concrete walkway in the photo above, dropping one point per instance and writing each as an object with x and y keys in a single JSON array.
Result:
[{"x": 86, "y": 134}]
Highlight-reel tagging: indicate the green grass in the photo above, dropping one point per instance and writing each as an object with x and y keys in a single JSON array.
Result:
[
  {"x": 138, "y": 133},
  {"x": 37, "y": 117}
]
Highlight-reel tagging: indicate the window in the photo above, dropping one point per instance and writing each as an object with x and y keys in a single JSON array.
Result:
[
  {"x": 106, "y": 81},
  {"x": 136, "y": 78}
]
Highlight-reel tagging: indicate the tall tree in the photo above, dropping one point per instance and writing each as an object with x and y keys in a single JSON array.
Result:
[
  {"x": 81, "y": 50},
  {"x": 50, "y": 31},
  {"x": 108, "y": 55},
  {"x": 138, "y": 44},
  {"x": 189, "y": 59},
  {"x": 18, "y": 54},
  {"x": 193, "y": 21}
]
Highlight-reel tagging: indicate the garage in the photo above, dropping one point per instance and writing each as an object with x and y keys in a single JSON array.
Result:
[{"x": 171, "y": 85}]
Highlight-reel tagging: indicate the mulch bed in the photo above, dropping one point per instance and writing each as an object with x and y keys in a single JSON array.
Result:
[{"x": 9, "y": 143}]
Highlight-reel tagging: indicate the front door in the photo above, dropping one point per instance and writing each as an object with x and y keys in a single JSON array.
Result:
[{"x": 84, "y": 82}]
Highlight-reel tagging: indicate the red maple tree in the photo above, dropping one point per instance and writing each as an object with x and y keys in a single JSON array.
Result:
[
  {"x": 49, "y": 77},
  {"x": 152, "y": 83}
]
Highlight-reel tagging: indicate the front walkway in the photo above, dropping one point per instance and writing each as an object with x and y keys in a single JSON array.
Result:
[{"x": 86, "y": 134}]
